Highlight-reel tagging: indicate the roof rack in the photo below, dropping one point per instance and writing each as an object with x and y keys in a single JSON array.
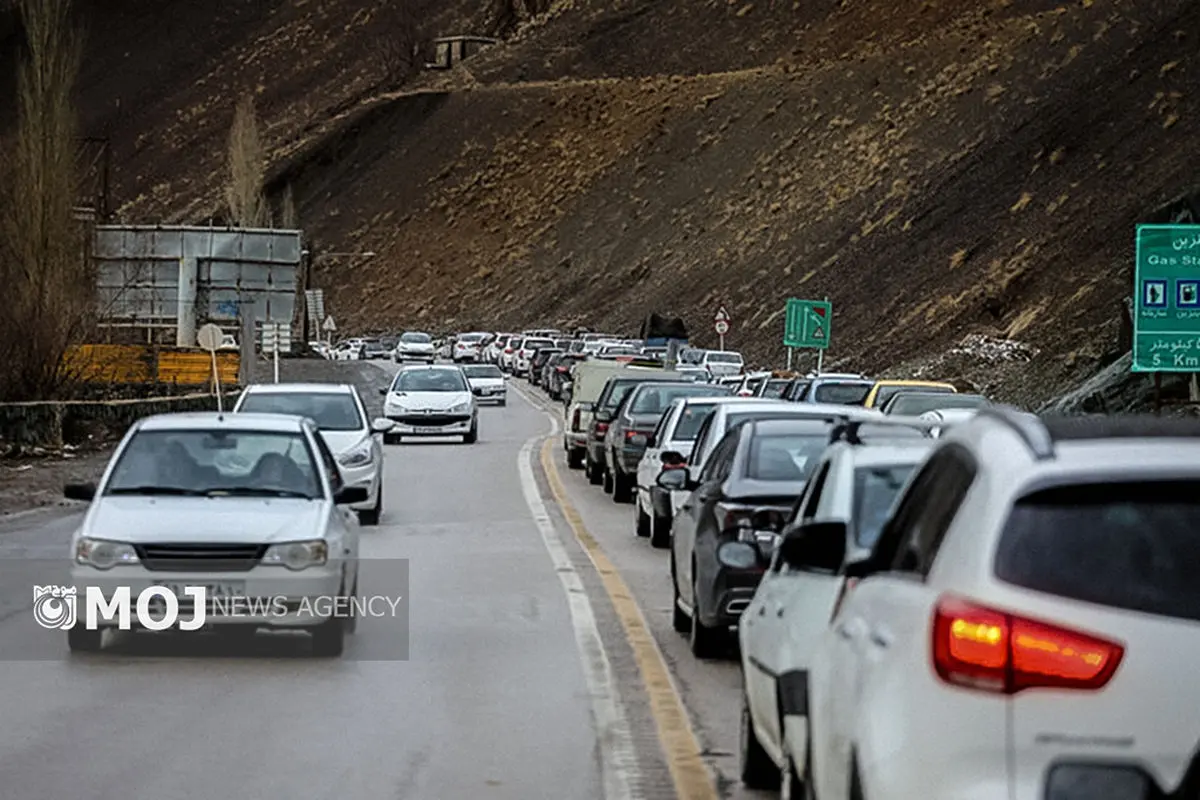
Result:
[
  {"x": 849, "y": 430},
  {"x": 1029, "y": 427}
]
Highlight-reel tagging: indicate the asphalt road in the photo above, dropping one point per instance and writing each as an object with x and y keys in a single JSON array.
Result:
[{"x": 512, "y": 688}]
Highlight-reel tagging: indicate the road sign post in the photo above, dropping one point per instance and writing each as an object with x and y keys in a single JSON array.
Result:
[
  {"x": 1166, "y": 299},
  {"x": 721, "y": 326},
  {"x": 276, "y": 337},
  {"x": 807, "y": 324},
  {"x": 209, "y": 337},
  {"x": 329, "y": 326}
]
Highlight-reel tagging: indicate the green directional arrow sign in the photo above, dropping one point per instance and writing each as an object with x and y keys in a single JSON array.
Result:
[{"x": 807, "y": 323}]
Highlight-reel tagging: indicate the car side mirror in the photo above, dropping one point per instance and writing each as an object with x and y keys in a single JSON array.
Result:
[
  {"x": 673, "y": 479},
  {"x": 350, "y": 495},
  {"x": 604, "y": 416},
  {"x": 815, "y": 547},
  {"x": 80, "y": 491},
  {"x": 381, "y": 425},
  {"x": 672, "y": 458}
]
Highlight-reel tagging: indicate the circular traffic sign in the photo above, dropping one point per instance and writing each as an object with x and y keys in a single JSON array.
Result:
[
  {"x": 209, "y": 337},
  {"x": 722, "y": 327}
]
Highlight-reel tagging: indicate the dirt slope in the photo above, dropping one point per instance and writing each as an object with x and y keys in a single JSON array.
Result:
[{"x": 935, "y": 168}]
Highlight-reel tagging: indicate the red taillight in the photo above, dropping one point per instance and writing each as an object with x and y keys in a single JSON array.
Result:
[
  {"x": 996, "y": 651},
  {"x": 508, "y": 351},
  {"x": 560, "y": 369},
  {"x": 575, "y": 420},
  {"x": 601, "y": 429}
]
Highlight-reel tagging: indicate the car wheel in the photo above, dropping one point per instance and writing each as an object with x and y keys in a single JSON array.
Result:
[
  {"x": 575, "y": 458},
  {"x": 757, "y": 769},
  {"x": 329, "y": 638},
  {"x": 606, "y": 479},
  {"x": 82, "y": 640},
  {"x": 680, "y": 621},
  {"x": 370, "y": 516},
  {"x": 704, "y": 641},
  {"x": 642, "y": 525},
  {"x": 473, "y": 436},
  {"x": 622, "y": 486},
  {"x": 593, "y": 471},
  {"x": 660, "y": 531}
]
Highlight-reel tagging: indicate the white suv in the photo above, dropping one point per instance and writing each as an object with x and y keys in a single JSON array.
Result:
[{"x": 1028, "y": 624}]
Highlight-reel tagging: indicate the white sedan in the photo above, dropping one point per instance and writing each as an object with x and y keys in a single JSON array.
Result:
[{"x": 341, "y": 417}]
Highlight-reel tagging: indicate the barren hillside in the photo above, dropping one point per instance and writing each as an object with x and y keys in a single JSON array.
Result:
[{"x": 935, "y": 168}]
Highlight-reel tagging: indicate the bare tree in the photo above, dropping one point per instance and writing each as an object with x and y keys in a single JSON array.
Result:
[
  {"x": 288, "y": 218},
  {"x": 399, "y": 42},
  {"x": 247, "y": 167},
  {"x": 44, "y": 269}
]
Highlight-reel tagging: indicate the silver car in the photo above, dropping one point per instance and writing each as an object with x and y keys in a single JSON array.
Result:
[
  {"x": 341, "y": 416},
  {"x": 249, "y": 506}
]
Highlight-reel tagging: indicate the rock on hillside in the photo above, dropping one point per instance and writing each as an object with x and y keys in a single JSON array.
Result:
[{"x": 935, "y": 168}]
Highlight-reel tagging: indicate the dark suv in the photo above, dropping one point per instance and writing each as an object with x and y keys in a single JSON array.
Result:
[{"x": 605, "y": 412}]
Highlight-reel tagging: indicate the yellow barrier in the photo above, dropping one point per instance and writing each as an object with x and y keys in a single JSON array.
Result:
[{"x": 122, "y": 363}]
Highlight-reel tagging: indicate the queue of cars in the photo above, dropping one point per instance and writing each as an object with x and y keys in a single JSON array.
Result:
[{"x": 930, "y": 595}]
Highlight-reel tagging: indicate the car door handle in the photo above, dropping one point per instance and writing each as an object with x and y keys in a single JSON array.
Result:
[
  {"x": 881, "y": 639},
  {"x": 779, "y": 613}
]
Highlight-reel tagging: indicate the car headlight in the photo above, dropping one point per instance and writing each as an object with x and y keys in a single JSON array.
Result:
[
  {"x": 297, "y": 555},
  {"x": 103, "y": 553},
  {"x": 357, "y": 456},
  {"x": 461, "y": 408}
]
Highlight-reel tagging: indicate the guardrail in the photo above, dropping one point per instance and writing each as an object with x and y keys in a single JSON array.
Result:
[
  {"x": 52, "y": 424},
  {"x": 138, "y": 364}
]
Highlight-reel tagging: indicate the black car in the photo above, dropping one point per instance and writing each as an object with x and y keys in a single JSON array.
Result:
[
  {"x": 538, "y": 361},
  {"x": 635, "y": 421},
  {"x": 605, "y": 411},
  {"x": 759, "y": 468}
]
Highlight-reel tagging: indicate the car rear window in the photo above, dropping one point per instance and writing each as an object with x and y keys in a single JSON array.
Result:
[
  {"x": 914, "y": 404},
  {"x": 1132, "y": 546},
  {"x": 785, "y": 457},
  {"x": 774, "y": 388},
  {"x": 725, "y": 358},
  {"x": 885, "y": 393},
  {"x": 535, "y": 344},
  {"x": 657, "y": 399},
  {"x": 875, "y": 489},
  {"x": 842, "y": 394}
]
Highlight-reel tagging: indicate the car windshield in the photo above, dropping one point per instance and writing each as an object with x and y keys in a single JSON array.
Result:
[
  {"x": 332, "y": 411},
  {"x": 785, "y": 457},
  {"x": 619, "y": 390},
  {"x": 482, "y": 371},
  {"x": 1130, "y": 545},
  {"x": 216, "y": 463},
  {"x": 416, "y": 338},
  {"x": 690, "y": 420},
  {"x": 885, "y": 393},
  {"x": 912, "y": 404},
  {"x": 429, "y": 380},
  {"x": 774, "y": 388},
  {"x": 841, "y": 394},
  {"x": 725, "y": 358},
  {"x": 657, "y": 399},
  {"x": 875, "y": 488}
]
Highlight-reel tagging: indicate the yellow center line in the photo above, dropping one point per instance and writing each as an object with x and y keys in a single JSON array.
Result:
[{"x": 688, "y": 771}]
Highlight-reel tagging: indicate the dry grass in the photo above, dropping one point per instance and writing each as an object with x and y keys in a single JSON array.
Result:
[
  {"x": 247, "y": 166},
  {"x": 44, "y": 265}
]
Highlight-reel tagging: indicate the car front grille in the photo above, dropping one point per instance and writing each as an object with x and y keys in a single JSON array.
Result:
[
  {"x": 200, "y": 557},
  {"x": 429, "y": 420}
]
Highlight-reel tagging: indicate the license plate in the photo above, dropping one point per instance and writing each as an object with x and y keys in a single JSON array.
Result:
[
  {"x": 221, "y": 589},
  {"x": 427, "y": 429}
]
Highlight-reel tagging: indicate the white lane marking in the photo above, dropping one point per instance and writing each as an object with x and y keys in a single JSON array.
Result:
[{"x": 618, "y": 757}]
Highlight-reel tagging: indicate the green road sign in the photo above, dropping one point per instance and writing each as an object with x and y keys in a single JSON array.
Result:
[
  {"x": 1166, "y": 299},
  {"x": 806, "y": 323}
]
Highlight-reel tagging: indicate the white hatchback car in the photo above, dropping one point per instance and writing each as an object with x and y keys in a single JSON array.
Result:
[
  {"x": 247, "y": 505},
  {"x": 341, "y": 417},
  {"x": 1028, "y": 624},
  {"x": 414, "y": 346},
  {"x": 430, "y": 401},
  {"x": 487, "y": 382}
]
